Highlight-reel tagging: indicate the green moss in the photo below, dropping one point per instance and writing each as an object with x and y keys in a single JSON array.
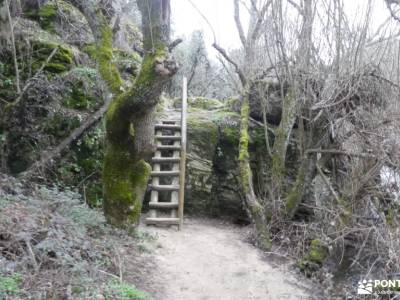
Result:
[
  {"x": 318, "y": 251},
  {"x": 205, "y": 103},
  {"x": 61, "y": 61},
  {"x": 203, "y": 128},
  {"x": 47, "y": 14},
  {"x": 148, "y": 73},
  {"x": 244, "y": 166},
  {"x": 78, "y": 99},
  {"x": 204, "y": 124},
  {"x": 90, "y": 49},
  {"x": 231, "y": 134},
  {"x": 313, "y": 260},
  {"x": 55, "y": 68},
  {"x": 233, "y": 104},
  {"x": 125, "y": 182},
  {"x": 104, "y": 56},
  {"x": 295, "y": 193},
  {"x": 244, "y": 134},
  {"x": 102, "y": 51},
  {"x": 281, "y": 137},
  {"x": 204, "y": 135},
  {"x": 127, "y": 62}
]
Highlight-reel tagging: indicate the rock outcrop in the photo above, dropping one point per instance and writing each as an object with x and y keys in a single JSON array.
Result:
[{"x": 212, "y": 187}]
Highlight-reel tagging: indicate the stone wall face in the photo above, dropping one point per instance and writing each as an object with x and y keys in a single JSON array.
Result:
[{"x": 212, "y": 187}]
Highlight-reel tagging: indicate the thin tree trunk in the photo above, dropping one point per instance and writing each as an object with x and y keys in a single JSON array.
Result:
[
  {"x": 257, "y": 211},
  {"x": 14, "y": 51}
]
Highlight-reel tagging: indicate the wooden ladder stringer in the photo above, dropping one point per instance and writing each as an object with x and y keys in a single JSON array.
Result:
[{"x": 171, "y": 136}]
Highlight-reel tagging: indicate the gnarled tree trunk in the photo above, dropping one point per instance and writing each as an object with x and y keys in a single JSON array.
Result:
[{"x": 129, "y": 120}]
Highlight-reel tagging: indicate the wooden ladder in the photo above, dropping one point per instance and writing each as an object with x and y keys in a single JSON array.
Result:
[{"x": 170, "y": 138}]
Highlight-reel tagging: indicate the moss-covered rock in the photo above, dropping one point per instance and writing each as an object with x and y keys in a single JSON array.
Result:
[
  {"x": 62, "y": 60},
  {"x": 47, "y": 14},
  {"x": 212, "y": 175},
  {"x": 314, "y": 258},
  {"x": 200, "y": 103},
  {"x": 62, "y": 19},
  {"x": 82, "y": 89},
  {"x": 202, "y": 142}
]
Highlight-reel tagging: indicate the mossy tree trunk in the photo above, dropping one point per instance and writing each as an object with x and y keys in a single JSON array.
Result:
[
  {"x": 129, "y": 120},
  {"x": 256, "y": 209}
]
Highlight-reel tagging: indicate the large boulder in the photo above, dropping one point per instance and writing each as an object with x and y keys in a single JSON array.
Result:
[
  {"x": 212, "y": 184},
  {"x": 202, "y": 145}
]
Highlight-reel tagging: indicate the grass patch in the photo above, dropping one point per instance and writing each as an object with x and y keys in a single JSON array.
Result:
[{"x": 124, "y": 291}]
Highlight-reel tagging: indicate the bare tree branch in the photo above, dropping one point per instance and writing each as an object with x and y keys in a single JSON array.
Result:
[
  {"x": 205, "y": 19},
  {"x": 174, "y": 44},
  {"x": 392, "y": 12},
  {"x": 239, "y": 23},
  {"x": 231, "y": 61},
  {"x": 296, "y": 6},
  {"x": 260, "y": 20}
]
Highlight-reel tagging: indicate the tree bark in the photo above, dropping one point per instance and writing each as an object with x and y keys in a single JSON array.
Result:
[
  {"x": 256, "y": 209},
  {"x": 129, "y": 120}
]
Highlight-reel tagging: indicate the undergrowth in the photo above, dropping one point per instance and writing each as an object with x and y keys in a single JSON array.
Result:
[{"x": 52, "y": 246}]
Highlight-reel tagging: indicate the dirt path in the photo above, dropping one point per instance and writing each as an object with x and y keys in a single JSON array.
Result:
[{"x": 211, "y": 261}]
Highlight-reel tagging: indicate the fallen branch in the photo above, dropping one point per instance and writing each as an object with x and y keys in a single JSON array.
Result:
[{"x": 48, "y": 156}]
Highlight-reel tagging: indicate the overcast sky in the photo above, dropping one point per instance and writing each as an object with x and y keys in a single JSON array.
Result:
[{"x": 220, "y": 14}]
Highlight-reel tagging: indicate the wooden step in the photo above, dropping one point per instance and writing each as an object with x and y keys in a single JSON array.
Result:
[
  {"x": 168, "y": 126},
  {"x": 165, "y": 173},
  {"x": 162, "y": 221},
  {"x": 168, "y": 147},
  {"x": 164, "y": 187},
  {"x": 165, "y": 159},
  {"x": 166, "y": 205},
  {"x": 170, "y": 121},
  {"x": 168, "y": 137}
]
